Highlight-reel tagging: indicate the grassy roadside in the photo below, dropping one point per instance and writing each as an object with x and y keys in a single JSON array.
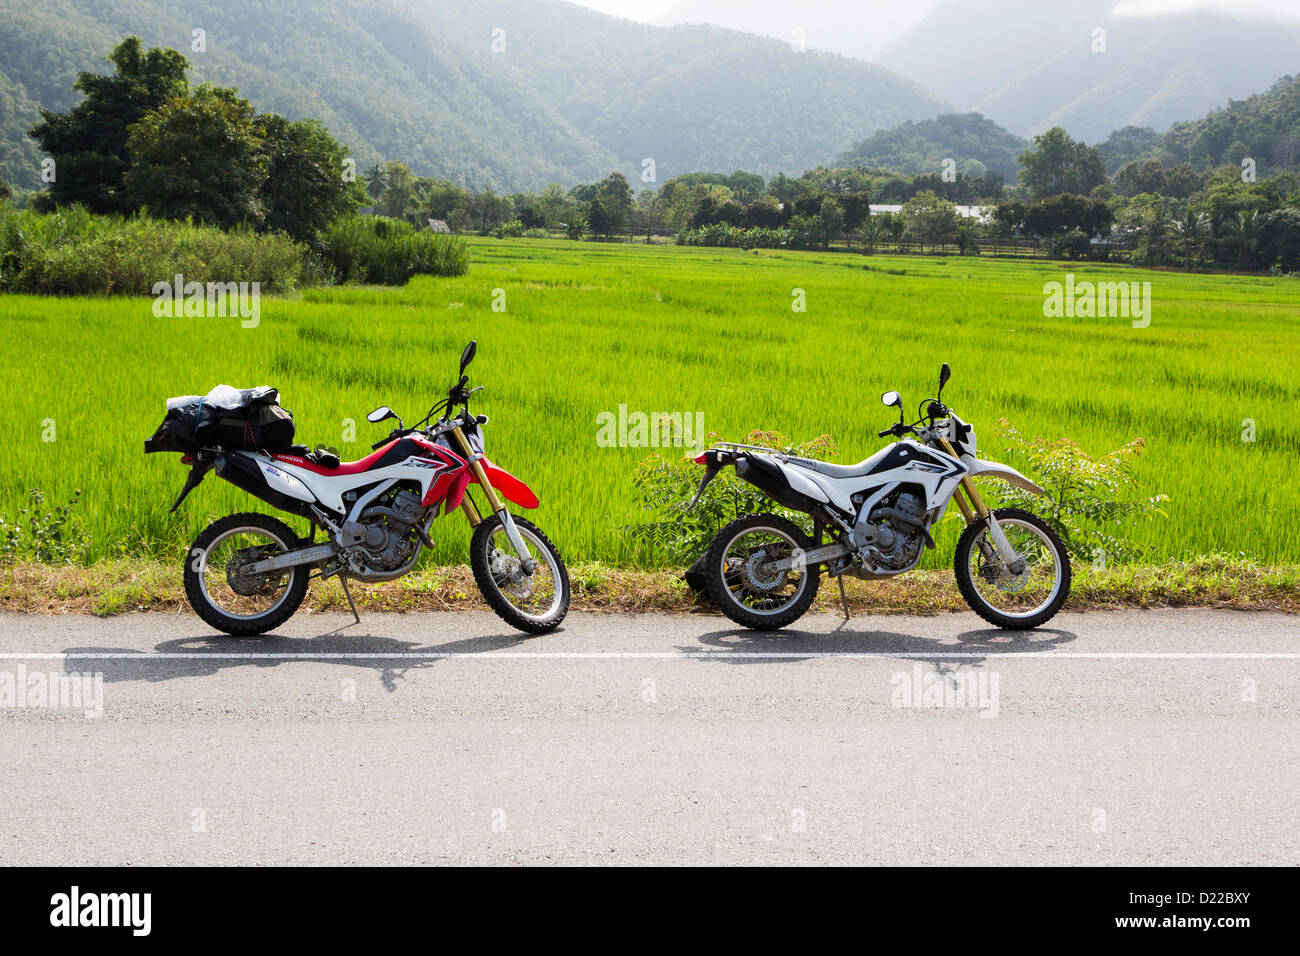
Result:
[{"x": 119, "y": 586}]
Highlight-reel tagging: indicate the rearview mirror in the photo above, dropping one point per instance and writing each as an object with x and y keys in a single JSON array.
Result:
[
  {"x": 381, "y": 413},
  {"x": 945, "y": 373},
  {"x": 467, "y": 356},
  {"x": 891, "y": 398}
]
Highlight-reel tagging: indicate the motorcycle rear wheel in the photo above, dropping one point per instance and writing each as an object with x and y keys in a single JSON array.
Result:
[
  {"x": 737, "y": 584},
  {"x": 239, "y": 605}
]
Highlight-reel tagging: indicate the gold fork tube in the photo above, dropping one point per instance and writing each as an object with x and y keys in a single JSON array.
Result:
[
  {"x": 976, "y": 502},
  {"x": 477, "y": 466}
]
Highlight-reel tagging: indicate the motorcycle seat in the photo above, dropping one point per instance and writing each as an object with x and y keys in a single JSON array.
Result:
[
  {"x": 312, "y": 462},
  {"x": 834, "y": 471}
]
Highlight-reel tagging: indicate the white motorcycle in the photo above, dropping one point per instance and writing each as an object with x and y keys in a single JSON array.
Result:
[{"x": 872, "y": 520}]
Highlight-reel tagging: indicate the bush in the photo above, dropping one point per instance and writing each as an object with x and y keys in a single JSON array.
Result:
[
  {"x": 378, "y": 250},
  {"x": 757, "y": 237},
  {"x": 1089, "y": 500},
  {"x": 43, "y": 533},
  {"x": 666, "y": 487},
  {"x": 513, "y": 229},
  {"x": 75, "y": 252}
]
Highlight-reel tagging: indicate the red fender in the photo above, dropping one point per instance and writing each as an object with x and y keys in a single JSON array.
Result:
[
  {"x": 505, "y": 483},
  {"x": 453, "y": 499},
  {"x": 509, "y": 486}
]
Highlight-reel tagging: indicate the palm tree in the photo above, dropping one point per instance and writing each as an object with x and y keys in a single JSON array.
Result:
[
  {"x": 376, "y": 180},
  {"x": 1243, "y": 233},
  {"x": 1192, "y": 226},
  {"x": 874, "y": 229}
]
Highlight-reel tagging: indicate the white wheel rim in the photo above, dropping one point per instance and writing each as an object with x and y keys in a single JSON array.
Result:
[
  {"x": 978, "y": 580},
  {"x": 737, "y": 573},
  {"x": 501, "y": 558},
  {"x": 204, "y": 572}
]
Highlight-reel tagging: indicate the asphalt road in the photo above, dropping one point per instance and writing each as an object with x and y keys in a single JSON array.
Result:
[{"x": 1157, "y": 737}]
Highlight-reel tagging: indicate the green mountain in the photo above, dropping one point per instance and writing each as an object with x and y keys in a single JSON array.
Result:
[
  {"x": 1265, "y": 127},
  {"x": 1030, "y": 65},
  {"x": 921, "y": 147},
  {"x": 573, "y": 94}
]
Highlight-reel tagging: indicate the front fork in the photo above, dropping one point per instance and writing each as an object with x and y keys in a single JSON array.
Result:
[
  {"x": 975, "y": 509},
  {"x": 494, "y": 502}
]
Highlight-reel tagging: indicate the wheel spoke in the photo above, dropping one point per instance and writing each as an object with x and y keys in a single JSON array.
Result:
[
  {"x": 226, "y": 583},
  {"x": 1016, "y": 594}
]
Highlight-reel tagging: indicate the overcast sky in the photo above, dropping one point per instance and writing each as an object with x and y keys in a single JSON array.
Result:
[{"x": 1273, "y": 9}]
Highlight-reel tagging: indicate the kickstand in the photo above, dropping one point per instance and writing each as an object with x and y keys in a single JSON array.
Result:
[
  {"x": 343, "y": 580},
  {"x": 844, "y": 602}
]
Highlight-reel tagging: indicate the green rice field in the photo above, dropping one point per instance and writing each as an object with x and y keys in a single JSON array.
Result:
[{"x": 588, "y": 327}]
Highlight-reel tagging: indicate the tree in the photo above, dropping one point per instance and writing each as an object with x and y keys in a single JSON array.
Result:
[
  {"x": 831, "y": 221},
  {"x": 5, "y": 191},
  {"x": 576, "y": 226},
  {"x": 598, "y": 218},
  {"x": 857, "y": 207},
  {"x": 198, "y": 155},
  {"x": 89, "y": 142},
  {"x": 1279, "y": 239},
  {"x": 439, "y": 198},
  {"x": 929, "y": 218},
  {"x": 376, "y": 181},
  {"x": 395, "y": 198},
  {"x": 784, "y": 189},
  {"x": 305, "y": 189},
  {"x": 1145, "y": 177},
  {"x": 764, "y": 212},
  {"x": 1192, "y": 227},
  {"x": 487, "y": 209},
  {"x": 1057, "y": 164},
  {"x": 1243, "y": 235},
  {"x": 615, "y": 195},
  {"x": 874, "y": 229},
  {"x": 556, "y": 206}
]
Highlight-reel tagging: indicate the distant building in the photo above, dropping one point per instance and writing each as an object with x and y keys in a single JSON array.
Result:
[
  {"x": 438, "y": 225},
  {"x": 980, "y": 213}
]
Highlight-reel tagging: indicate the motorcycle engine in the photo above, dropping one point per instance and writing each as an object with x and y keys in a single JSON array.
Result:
[
  {"x": 390, "y": 538},
  {"x": 892, "y": 542}
]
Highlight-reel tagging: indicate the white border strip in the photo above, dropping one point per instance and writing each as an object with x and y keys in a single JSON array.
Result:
[{"x": 648, "y": 655}]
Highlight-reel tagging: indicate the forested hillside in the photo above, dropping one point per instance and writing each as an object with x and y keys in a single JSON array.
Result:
[
  {"x": 1030, "y": 65},
  {"x": 571, "y": 95},
  {"x": 921, "y": 147}
]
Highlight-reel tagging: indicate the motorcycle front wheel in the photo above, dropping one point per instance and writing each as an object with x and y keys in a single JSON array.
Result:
[
  {"x": 535, "y": 602},
  {"x": 1013, "y": 598}
]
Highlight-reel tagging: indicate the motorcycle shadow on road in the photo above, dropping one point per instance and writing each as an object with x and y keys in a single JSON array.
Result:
[
  {"x": 333, "y": 647},
  {"x": 790, "y": 645}
]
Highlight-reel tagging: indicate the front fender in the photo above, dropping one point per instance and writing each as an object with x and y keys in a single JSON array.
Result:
[
  {"x": 1005, "y": 472},
  {"x": 509, "y": 486}
]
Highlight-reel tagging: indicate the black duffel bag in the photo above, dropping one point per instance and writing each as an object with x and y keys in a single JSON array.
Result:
[{"x": 247, "y": 419}]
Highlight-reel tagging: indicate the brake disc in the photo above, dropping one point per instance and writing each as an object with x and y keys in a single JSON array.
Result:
[
  {"x": 759, "y": 580},
  {"x": 246, "y": 585}
]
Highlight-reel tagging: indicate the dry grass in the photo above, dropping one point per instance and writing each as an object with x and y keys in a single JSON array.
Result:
[{"x": 113, "y": 587}]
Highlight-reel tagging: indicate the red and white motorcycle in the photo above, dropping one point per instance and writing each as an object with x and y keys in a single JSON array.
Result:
[{"x": 247, "y": 573}]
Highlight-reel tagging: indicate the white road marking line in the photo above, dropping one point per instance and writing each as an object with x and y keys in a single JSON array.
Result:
[{"x": 651, "y": 655}]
